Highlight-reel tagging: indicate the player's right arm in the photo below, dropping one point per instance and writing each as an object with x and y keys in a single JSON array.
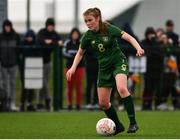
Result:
[{"x": 76, "y": 61}]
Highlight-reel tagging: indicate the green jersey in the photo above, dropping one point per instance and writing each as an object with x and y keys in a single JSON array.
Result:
[
  {"x": 111, "y": 60},
  {"x": 106, "y": 47}
]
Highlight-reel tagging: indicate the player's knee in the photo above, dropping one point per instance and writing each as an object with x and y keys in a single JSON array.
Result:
[
  {"x": 104, "y": 105},
  {"x": 123, "y": 91}
]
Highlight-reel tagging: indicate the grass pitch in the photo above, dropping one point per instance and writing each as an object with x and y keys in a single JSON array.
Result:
[{"x": 81, "y": 125}]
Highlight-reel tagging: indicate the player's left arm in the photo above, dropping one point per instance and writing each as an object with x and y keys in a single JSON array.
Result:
[{"x": 134, "y": 43}]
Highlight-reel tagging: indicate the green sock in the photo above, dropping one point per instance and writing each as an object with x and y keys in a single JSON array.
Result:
[
  {"x": 111, "y": 113},
  {"x": 128, "y": 103}
]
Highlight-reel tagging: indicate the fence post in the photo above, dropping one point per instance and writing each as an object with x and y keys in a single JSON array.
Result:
[{"x": 57, "y": 78}]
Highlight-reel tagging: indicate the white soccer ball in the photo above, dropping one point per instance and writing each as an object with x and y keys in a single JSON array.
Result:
[{"x": 105, "y": 127}]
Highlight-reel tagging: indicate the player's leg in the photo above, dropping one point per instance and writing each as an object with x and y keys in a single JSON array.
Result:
[
  {"x": 121, "y": 83},
  {"x": 104, "y": 103}
]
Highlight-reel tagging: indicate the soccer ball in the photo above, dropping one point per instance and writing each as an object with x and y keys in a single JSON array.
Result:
[{"x": 105, "y": 127}]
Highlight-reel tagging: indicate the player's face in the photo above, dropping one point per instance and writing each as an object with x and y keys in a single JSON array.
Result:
[{"x": 92, "y": 22}]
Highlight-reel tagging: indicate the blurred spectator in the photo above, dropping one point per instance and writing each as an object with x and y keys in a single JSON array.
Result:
[
  {"x": 169, "y": 76},
  {"x": 47, "y": 38},
  {"x": 171, "y": 34},
  {"x": 127, "y": 28},
  {"x": 70, "y": 49},
  {"x": 27, "y": 50},
  {"x": 159, "y": 33},
  {"x": 153, "y": 75},
  {"x": 9, "y": 41},
  {"x": 91, "y": 65}
]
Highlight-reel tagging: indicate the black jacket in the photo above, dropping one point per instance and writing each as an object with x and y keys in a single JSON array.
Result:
[
  {"x": 91, "y": 61},
  {"x": 69, "y": 51},
  {"x": 9, "y": 47},
  {"x": 174, "y": 37},
  {"x": 42, "y": 35},
  {"x": 155, "y": 56}
]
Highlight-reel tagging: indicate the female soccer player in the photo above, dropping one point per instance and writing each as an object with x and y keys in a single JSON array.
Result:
[{"x": 113, "y": 67}]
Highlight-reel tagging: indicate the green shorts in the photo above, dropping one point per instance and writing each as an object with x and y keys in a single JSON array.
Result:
[{"x": 106, "y": 77}]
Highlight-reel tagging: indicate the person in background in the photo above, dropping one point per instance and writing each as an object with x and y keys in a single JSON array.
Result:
[
  {"x": 9, "y": 42},
  {"x": 174, "y": 37},
  {"x": 159, "y": 33},
  {"x": 69, "y": 51},
  {"x": 28, "y": 49},
  {"x": 170, "y": 75},
  {"x": 47, "y": 38},
  {"x": 171, "y": 34},
  {"x": 91, "y": 66},
  {"x": 153, "y": 75}
]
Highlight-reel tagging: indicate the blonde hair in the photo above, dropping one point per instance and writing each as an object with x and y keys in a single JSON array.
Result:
[{"x": 95, "y": 12}]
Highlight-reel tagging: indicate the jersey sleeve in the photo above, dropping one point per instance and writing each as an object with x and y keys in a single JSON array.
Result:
[
  {"x": 83, "y": 42},
  {"x": 116, "y": 31}
]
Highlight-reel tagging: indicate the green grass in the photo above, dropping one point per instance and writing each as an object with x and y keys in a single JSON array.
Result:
[{"x": 81, "y": 125}]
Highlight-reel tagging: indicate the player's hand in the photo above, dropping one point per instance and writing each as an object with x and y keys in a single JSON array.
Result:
[
  {"x": 69, "y": 74},
  {"x": 140, "y": 52}
]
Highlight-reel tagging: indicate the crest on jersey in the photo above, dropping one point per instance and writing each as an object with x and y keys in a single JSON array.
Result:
[{"x": 105, "y": 38}]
